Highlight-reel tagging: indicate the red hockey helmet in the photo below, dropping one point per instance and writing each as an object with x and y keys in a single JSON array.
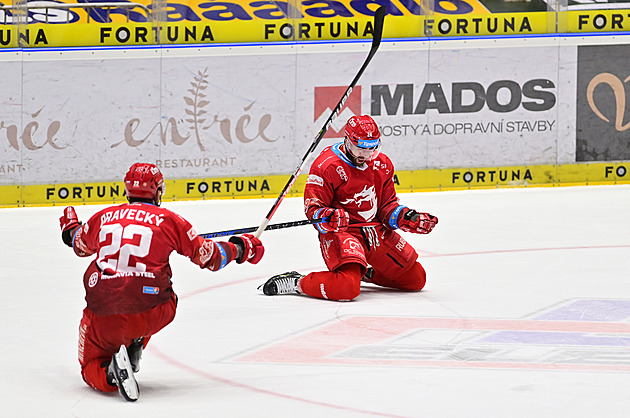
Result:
[
  {"x": 144, "y": 181},
  {"x": 363, "y": 139}
]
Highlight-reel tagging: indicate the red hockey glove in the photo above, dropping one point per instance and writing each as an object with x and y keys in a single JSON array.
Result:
[
  {"x": 69, "y": 223},
  {"x": 337, "y": 220},
  {"x": 251, "y": 248},
  {"x": 419, "y": 223}
]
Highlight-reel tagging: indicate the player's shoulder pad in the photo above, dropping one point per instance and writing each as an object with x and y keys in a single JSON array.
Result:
[
  {"x": 384, "y": 162},
  {"x": 384, "y": 158},
  {"x": 325, "y": 159}
]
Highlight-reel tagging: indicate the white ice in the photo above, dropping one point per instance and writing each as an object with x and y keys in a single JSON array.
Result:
[{"x": 526, "y": 313}]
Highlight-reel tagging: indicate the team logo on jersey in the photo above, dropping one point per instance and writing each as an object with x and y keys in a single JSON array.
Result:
[
  {"x": 323, "y": 291},
  {"x": 326, "y": 98},
  {"x": 342, "y": 173},
  {"x": 191, "y": 234},
  {"x": 312, "y": 202},
  {"x": 324, "y": 162},
  {"x": 366, "y": 196},
  {"x": 379, "y": 166},
  {"x": 81, "y": 249},
  {"x": 400, "y": 245},
  {"x": 205, "y": 252},
  {"x": 93, "y": 279},
  {"x": 314, "y": 179},
  {"x": 150, "y": 290},
  {"x": 352, "y": 244},
  {"x": 326, "y": 246},
  {"x": 352, "y": 247}
]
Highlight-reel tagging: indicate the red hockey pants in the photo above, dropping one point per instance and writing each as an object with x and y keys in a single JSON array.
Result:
[{"x": 101, "y": 336}]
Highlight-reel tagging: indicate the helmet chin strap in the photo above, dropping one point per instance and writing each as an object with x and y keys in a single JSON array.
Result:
[{"x": 157, "y": 199}]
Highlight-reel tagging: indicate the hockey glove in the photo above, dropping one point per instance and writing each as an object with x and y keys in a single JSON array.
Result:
[
  {"x": 418, "y": 223},
  {"x": 69, "y": 223},
  {"x": 250, "y": 248},
  {"x": 337, "y": 220}
]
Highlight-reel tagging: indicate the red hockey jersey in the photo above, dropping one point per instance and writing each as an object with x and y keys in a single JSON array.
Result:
[
  {"x": 132, "y": 242},
  {"x": 367, "y": 192}
]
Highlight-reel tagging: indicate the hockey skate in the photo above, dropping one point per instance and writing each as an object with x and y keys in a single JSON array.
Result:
[
  {"x": 367, "y": 277},
  {"x": 135, "y": 353},
  {"x": 282, "y": 284},
  {"x": 120, "y": 373}
]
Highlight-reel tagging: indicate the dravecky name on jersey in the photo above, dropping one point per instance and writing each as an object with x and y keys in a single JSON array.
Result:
[{"x": 132, "y": 214}]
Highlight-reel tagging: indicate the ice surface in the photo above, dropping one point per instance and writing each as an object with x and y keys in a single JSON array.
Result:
[{"x": 526, "y": 313}]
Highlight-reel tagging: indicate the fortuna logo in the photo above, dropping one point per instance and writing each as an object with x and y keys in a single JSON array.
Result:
[{"x": 366, "y": 195}]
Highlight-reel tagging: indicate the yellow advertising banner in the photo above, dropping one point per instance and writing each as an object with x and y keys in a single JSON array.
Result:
[
  {"x": 615, "y": 20},
  {"x": 190, "y": 22},
  {"x": 492, "y": 24},
  {"x": 271, "y": 186},
  {"x": 127, "y": 34},
  {"x": 514, "y": 176},
  {"x": 71, "y": 12}
]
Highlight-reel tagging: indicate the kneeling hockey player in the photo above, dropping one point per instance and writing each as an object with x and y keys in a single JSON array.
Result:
[
  {"x": 128, "y": 284},
  {"x": 351, "y": 185}
]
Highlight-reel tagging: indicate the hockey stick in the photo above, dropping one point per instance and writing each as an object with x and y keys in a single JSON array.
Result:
[
  {"x": 230, "y": 232},
  {"x": 379, "y": 17},
  {"x": 254, "y": 228}
]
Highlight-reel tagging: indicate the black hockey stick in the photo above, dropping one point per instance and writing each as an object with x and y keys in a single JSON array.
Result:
[
  {"x": 230, "y": 232},
  {"x": 379, "y": 17}
]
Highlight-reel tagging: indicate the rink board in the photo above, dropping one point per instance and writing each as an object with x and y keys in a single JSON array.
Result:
[{"x": 271, "y": 186}]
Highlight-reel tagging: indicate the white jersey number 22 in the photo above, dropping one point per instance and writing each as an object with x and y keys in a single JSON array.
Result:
[{"x": 118, "y": 233}]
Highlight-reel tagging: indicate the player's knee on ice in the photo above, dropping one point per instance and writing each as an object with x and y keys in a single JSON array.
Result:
[{"x": 343, "y": 284}]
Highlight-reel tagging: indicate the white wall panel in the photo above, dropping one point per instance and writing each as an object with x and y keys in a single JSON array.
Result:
[{"x": 84, "y": 115}]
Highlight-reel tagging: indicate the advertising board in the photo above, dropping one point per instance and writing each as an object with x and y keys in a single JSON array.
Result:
[
  {"x": 602, "y": 119},
  {"x": 232, "y": 122}
]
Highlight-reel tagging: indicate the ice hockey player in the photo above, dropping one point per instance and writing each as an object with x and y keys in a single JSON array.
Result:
[
  {"x": 128, "y": 284},
  {"x": 351, "y": 185}
]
